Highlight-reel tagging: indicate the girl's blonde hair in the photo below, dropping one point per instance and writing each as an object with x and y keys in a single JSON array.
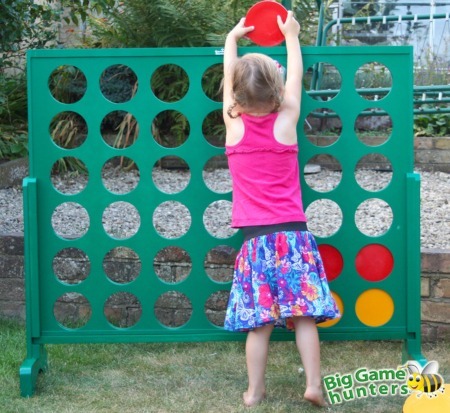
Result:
[{"x": 256, "y": 83}]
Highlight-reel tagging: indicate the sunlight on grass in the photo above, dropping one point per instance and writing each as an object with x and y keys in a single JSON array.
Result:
[{"x": 186, "y": 377}]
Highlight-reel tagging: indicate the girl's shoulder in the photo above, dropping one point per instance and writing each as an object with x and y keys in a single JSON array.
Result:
[
  {"x": 285, "y": 127},
  {"x": 234, "y": 131}
]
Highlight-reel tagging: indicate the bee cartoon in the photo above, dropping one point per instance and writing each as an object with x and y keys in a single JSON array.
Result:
[{"x": 424, "y": 380}]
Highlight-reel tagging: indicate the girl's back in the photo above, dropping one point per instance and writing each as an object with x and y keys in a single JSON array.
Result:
[{"x": 265, "y": 173}]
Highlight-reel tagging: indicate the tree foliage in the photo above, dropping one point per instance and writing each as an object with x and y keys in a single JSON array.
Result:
[
  {"x": 26, "y": 25},
  {"x": 182, "y": 23},
  {"x": 23, "y": 25}
]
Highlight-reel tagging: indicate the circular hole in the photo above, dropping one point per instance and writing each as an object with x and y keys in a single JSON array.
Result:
[
  {"x": 68, "y": 130},
  {"x": 171, "y": 219},
  {"x": 213, "y": 129},
  {"x": 120, "y": 175},
  {"x": 118, "y": 83},
  {"x": 216, "y": 307},
  {"x": 332, "y": 261},
  {"x": 122, "y": 265},
  {"x": 219, "y": 263},
  {"x": 169, "y": 83},
  {"x": 122, "y": 310},
  {"x": 70, "y": 220},
  {"x": 322, "y": 127},
  {"x": 173, "y": 309},
  {"x": 72, "y": 310},
  {"x": 67, "y": 84},
  {"x": 340, "y": 306},
  {"x": 171, "y": 174},
  {"x": 373, "y": 81},
  {"x": 211, "y": 81},
  {"x": 217, "y": 219},
  {"x": 71, "y": 266},
  {"x": 119, "y": 129},
  {"x": 216, "y": 174},
  {"x": 373, "y": 172},
  {"x": 69, "y": 175},
  {"x": 323, "y": 173},
  {"x": 374, "y": 307},
  {"x": 374, "y": 217},
  {"x": 121, "y": 220},
  {"x": 373, "y": 127},
  {"x": 374, "y": 262},
  {"x": 170, "y": 128},
  {"x": 172, "y": 265},
  {"x": 322, "y": 81},
  {"x": 324, "y": 217}
]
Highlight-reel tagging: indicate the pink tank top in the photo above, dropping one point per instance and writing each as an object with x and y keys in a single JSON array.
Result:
[{"x": 265, "y": 176}]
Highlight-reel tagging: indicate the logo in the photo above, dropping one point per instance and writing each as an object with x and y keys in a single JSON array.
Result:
[
  {"x": 423, "y": 387},
  {"x": 429, "y": 393},
  {"x": 365, "y": 383}
]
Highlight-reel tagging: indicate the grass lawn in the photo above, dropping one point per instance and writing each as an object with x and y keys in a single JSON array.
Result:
[{"x": 187, "y": 377}]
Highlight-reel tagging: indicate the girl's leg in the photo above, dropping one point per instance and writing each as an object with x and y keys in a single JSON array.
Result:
[
  {"x": 308, "y": 345},
  {"x": 256, "y": 350}
]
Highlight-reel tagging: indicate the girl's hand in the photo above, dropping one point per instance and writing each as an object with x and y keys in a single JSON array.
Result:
[
  {"x": 290, "y": 27},
  {"x": 240, "y": 30}
]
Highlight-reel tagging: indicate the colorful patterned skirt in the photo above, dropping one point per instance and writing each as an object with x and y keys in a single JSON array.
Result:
[{"x": 276, "y": 277}]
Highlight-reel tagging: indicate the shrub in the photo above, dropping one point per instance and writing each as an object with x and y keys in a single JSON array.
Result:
[{"x": 432, "y": 125}]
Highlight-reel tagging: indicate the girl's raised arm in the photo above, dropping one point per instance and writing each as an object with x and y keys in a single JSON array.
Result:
[
  {"x": 229, "y": 59},
  {"x": 293, "y": 86}
]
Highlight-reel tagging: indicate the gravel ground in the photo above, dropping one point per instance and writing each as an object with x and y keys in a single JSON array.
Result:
[{"x": 172, "y": 219}]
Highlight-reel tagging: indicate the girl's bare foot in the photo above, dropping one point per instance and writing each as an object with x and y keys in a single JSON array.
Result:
[
  {"x": 253, "y": 400},
  {"x": 315, "y": 396}
]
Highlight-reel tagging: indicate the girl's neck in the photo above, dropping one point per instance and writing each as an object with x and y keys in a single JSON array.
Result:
[{"x": 258, "y": 113}]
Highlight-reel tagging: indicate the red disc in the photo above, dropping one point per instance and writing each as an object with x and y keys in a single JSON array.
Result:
[
  {"x": 332, "y": 261},
  {"x": 374, "y": 262},
  {"x": 263, "y": 15}
]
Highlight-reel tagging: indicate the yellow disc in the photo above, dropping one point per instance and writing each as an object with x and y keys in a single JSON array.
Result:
[
  {"x": 340, "y": 305},
  {"x": 374, "y": 307}
]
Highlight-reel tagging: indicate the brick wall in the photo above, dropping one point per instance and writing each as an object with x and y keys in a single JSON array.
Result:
[
  {"x": 435, "y": 292},
  {"x": 12, "y": 292},
  {"x": 171, "y": 309},
  {"x": 432, "y": 153},
  {"x": 435, "y": 285}
]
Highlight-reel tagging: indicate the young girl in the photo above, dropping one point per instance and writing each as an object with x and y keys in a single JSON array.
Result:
[{"x": 279, "y": 278}]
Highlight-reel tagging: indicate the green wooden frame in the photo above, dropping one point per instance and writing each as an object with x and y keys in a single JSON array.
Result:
[{"x": 41, "y": 198}]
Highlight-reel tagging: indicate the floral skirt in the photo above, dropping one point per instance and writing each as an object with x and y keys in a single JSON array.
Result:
[{"x": 276, "y": 277}]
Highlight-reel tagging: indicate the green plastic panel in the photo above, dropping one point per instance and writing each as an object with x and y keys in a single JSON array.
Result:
[{"x": 375, "y": 306}]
